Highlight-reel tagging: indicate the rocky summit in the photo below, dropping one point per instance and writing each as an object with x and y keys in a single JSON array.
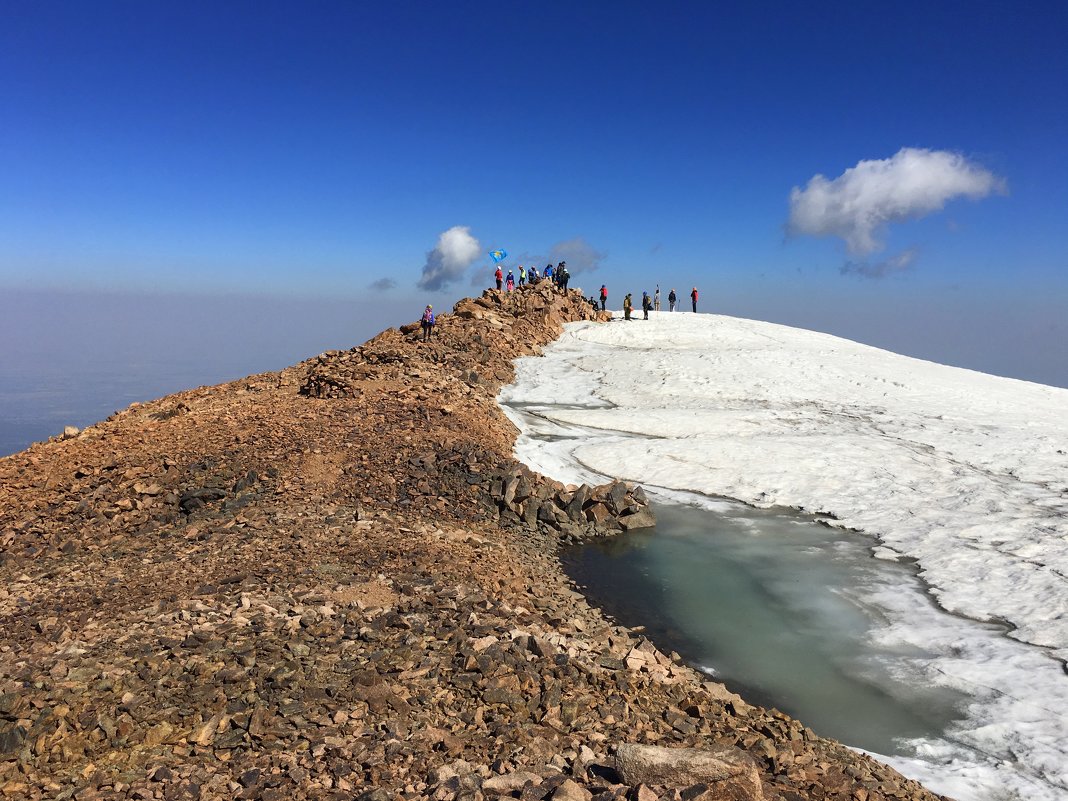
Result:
[{"x": 334, "y": 582}]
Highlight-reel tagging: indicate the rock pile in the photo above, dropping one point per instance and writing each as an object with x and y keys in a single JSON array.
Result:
[
  {"x": 334, "y": 582},
  {"x": 576, "y": 513},
  {"x": 473, "y": 345}
]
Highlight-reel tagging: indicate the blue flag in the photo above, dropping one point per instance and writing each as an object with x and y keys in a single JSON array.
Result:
[{"x": 498, "y": 255}]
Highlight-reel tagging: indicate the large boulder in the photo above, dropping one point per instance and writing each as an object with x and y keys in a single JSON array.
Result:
[
  {"x": 643, "y": 518},
  {"x": 729, "y": 772}
]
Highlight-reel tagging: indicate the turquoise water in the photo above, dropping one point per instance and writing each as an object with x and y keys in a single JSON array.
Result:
[{"x": 778, "y": 607}]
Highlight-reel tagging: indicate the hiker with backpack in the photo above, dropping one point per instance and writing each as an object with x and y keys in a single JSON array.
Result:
[
  {"x": 672, "y": 297},
  {"x": 647, "y": 303},
  {"x": 656, "y": 299},
  {"x": 604, "y": 296},
  {"x": 693, "y": 297},
  {"x": 627, "y": 306},
  {"x": 427, "y": 323},
  {"x": 522, "y": 275},
  {"x": 499, "y": 276}
]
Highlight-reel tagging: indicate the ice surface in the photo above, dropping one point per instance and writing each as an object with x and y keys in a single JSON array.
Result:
[{"x": 964, "y": 472}]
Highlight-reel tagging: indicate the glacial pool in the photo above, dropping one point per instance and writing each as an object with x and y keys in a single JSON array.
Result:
[{"x": 790, "y": 613}]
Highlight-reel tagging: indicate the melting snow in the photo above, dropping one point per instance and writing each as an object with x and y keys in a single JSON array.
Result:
[{"x": 965, "y": 472}]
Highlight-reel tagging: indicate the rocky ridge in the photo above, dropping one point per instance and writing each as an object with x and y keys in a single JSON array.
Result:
[{"x": 335, "y": 582}]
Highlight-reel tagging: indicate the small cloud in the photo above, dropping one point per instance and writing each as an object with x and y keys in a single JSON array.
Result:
[
  {"x": 858, "y": 205},
  {"x": 578, "y": 253},
  {"x": 383, "y": 284},
  {"x": 455, "y": 252},
  {"x": 656, "y": 248},
  {"x": 900, "y": 263}
]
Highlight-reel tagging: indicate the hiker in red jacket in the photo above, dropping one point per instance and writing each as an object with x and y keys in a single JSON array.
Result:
[
  {"x": 604, "y": 296},
  {"x": 499, "y": 276},
  {"x": 693, "y": 297}
]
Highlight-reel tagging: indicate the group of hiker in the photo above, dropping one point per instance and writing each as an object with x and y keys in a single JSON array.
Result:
[
  {"x": 558, "y": 276},
  {"x": 650, "y": 302}
]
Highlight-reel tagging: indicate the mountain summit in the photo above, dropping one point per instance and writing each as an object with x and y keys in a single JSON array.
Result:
[{"x": 334, "y": 581}]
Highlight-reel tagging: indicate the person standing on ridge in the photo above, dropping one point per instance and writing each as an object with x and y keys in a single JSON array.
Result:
[
  {"x": 627, "y": 306},
  {"x": 672, "y": 297},
  {"x": 428, "y": 323},
  {"x": 511, "y": 282},
  {"x": 647, "y": 303},
  {"x": 499, "y": 276},
  {"x": 656, "y": 299},
  {"x": 565, "y": 276},
  {"x": 522, "y": 275},
  {"x": 693, "y": 297},
  {"x": 548, "y": 274},
  {"x": 604, "y": 296}
]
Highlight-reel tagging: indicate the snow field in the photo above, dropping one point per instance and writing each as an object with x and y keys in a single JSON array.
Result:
[{"x": 964, "y": 472}]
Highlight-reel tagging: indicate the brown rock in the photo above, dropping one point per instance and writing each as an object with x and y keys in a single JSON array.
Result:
[
  {"x": 731, "y": 772},
  {"x": 510, "y": 782},
  {"x": 597, "y": 513},
  {"x": 571, "y": 791}
]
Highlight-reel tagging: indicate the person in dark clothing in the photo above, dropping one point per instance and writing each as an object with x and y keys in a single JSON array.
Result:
[
  {"x": 672, "y": 297},
  {"x": 647, "y": 303},
  {"x": 604, "y": 296},
  {"x": 693, "y": 297},
  {"x": 427, "y": 323},
  {"x": 564, "y": 275}
]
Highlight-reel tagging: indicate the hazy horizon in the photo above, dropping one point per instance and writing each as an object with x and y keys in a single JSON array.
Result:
[{"x": 73, "y": 358}]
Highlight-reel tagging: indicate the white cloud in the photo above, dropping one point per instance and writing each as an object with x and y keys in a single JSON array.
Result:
[
  {"x": 578, "y": 253},
  {"x": 455, "y": 252},
  {"x": 859, "y": 204}
]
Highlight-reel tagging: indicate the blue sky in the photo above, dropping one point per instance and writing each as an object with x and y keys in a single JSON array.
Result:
[{"x": 313, "y": 149}]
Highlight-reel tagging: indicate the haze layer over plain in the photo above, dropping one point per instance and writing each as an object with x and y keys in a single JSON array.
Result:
[{"x": 965, "y": 472}]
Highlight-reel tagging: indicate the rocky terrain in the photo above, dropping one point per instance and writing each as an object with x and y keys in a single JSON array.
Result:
[{"x": 334, "y": 582}]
